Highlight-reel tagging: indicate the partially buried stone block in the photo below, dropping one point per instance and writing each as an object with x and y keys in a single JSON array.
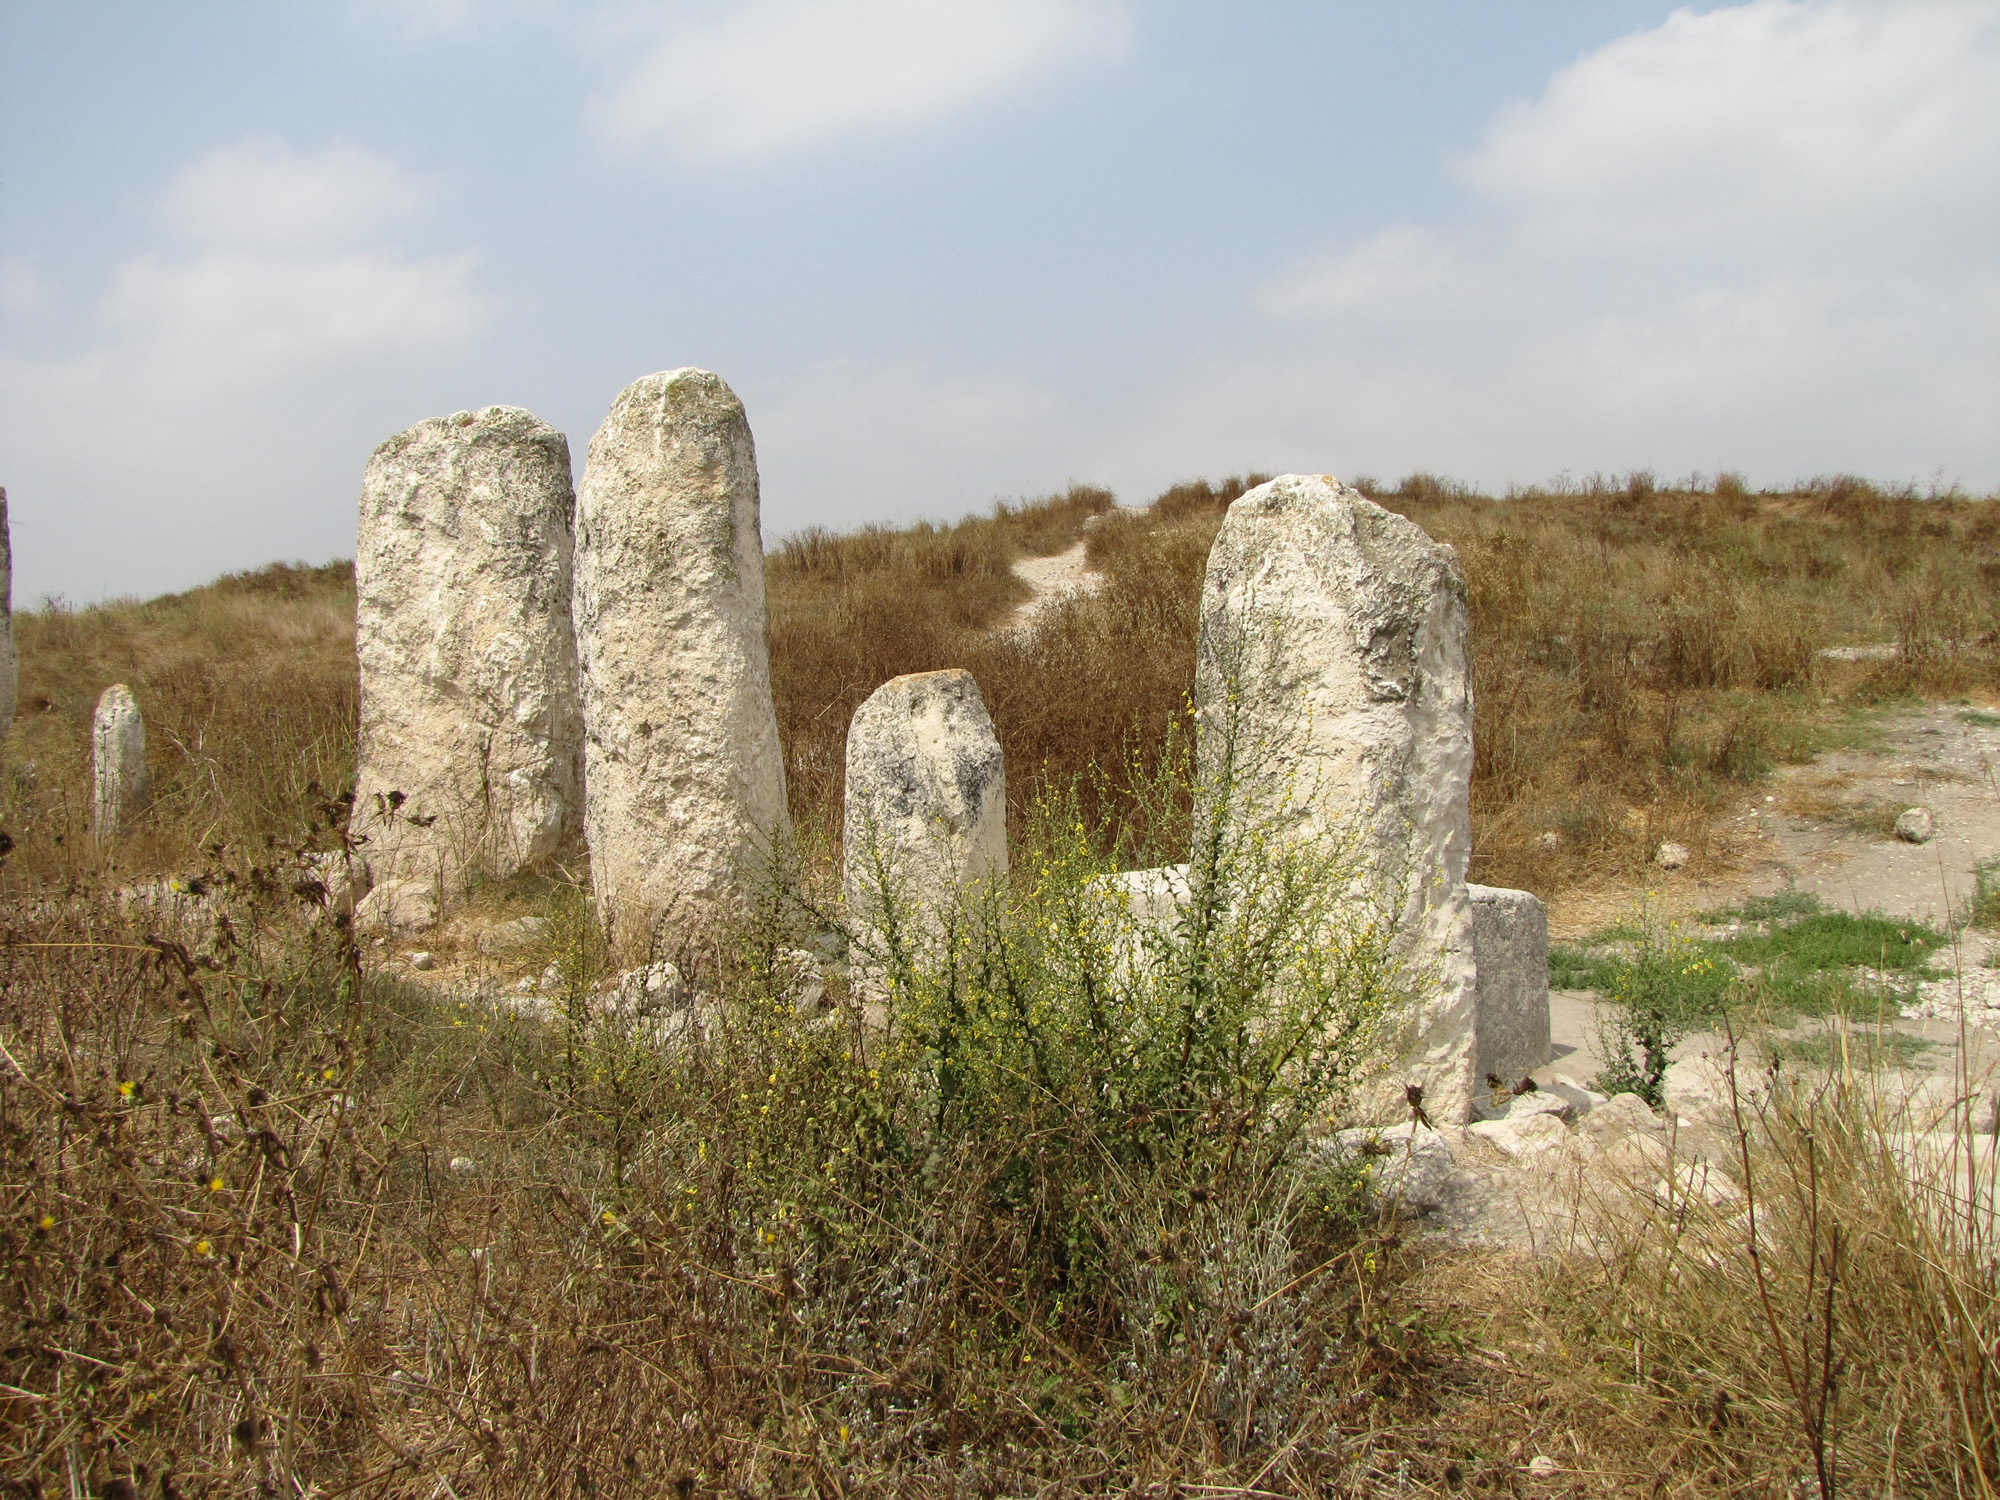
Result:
[
  {"x": 926, "y": 805},
  {"x": 1510, "y": 945},
  {"x": 470, "y": 751},
  {"x": 686, "y": 784},
  {"x": 1332, "y": 676},
  {"x": 118, "y": 762}
]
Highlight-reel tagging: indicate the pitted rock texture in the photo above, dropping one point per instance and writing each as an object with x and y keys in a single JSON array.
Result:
[
  {"x": 1510, "y": 947},
  {"x": 10, "y": 661},
  {"x": 118, "y": 762},
  {"x": 926, "y": 809},
  {"x": 468, "y": 659},
  {"x": 686, "y": 785},
  {"x": 1332, "y": 656}
]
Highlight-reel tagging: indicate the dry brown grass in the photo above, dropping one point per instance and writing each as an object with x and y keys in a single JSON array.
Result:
[
  {"x": 1640, "y": 654},
  {"x": 241, "y": 1259},
  {"x": 248, "y": 690}
]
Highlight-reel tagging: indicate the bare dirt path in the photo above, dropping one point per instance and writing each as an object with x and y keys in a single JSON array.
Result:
[{"x": 1058, "y": 577}]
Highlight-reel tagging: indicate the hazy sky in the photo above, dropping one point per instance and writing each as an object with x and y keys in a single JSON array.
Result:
[{"x": 948, "y": 250}]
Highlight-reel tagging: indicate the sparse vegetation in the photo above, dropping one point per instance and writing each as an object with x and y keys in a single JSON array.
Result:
[
  {"x": 1771, "y": 960},
  {"x": 278, "y": 1221}
]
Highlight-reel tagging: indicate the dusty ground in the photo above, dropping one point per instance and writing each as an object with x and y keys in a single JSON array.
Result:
[{"x": 1823, "y": 828}]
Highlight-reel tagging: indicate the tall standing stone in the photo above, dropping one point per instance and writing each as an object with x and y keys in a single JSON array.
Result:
[
  {"x": 1333, "y": 648},
  {"x": 926, "y": 807},
  {"x": 117, "y": 762},
  {"x": 686, "y": 784},
  {"x": 470, "y": 757},
  {"x": 10, "y": 661}
]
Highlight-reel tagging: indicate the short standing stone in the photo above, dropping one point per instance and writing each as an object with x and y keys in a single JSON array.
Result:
[
  {"x": 1332, "y": 658},
  {"x": 470, "y": 755},
  {"x": 926, "y": 809},
  {"x": 686, "y": 785},
  {"x": 10, "y": 661},
  {"x": 1510, "y": 946},
  {"x": 1915, "y": 825},
  {"x": 118, "y": 762}
]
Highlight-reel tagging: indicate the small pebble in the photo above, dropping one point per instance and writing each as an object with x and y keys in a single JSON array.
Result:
[
  {"x": 464, "y": 1166},
  {"x": 421, "y": 961},
  {"x": 1543, "y": 1467}
]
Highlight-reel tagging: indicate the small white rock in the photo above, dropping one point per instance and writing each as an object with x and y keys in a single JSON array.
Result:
[
  {"x": 464, "y": 1166},
  {"x": 643, "y": 991},
  {"x": 1622, "y": 1113},
  {"x": 1583, "y": 1099},
  {"x": 422, "y": 962},
  {"x": 1543, "y": 1467},
  {"x": 1528, "y": 1136},
  {"x": 1916, "y": 825},
  {"x": 1671, "y": 856}
]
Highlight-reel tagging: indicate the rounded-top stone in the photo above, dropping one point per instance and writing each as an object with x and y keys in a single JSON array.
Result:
[
  {"x": 926, "y": 801},
  {"x": 685, "y": 781}
]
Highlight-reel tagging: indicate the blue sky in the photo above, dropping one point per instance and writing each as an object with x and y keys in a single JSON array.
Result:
[{"x": 949, "y": 250}]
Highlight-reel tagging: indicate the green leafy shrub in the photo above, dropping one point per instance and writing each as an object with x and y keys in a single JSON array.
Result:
[{"x": 1666, "y": 987}]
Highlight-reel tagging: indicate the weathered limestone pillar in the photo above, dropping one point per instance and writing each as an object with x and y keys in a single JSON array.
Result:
[
  {"x": 686, "y": 784},
  {"x": 926, "y": 806},
  {"x": 118, "y": 762},
  {"x": 10, "y": 660},
  {"x": 1510, "y": 945},
  {"x": 470, "y": 758},
  {"x": 1333, "y": 656}
]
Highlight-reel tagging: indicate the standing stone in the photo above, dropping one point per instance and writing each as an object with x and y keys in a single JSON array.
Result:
[
  {"x": 471, "y": 736},
  {"x": 686, "y": 786},
  {"x": 1510, "y": 945},
  {"x": 118, "y": 762},
  {"x": 10, "y": 661},
  {"x": 926, "y": 809},
  {"x": 1333, "y": 657}
]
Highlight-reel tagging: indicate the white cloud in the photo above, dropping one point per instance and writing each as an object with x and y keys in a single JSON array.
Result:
[
  {"x": 23, "y": 291},
  {"x": 778, "y": 74},
  {"x": 1799, "y": 128},
  {"x": 1766, "y": 237},
  {"x": 237, "y": 385},
  {"x": 262, "y": 195},
  {"x": 1653, "y": 265}
]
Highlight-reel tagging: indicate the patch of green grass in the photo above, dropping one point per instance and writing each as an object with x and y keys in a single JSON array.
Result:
[
  {"x": 1869, "y": 1047},
  {"x": 1980, "y": 718},
  {"x": 1985, "y": 895},
  {"x": 1576, "y": 969},
  {"x": 1806, "y": 959},
  {"x": 1825, "y": 940}
]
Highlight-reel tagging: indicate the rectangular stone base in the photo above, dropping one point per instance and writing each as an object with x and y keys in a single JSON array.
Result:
[{"x": 1510, "y": 948}]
